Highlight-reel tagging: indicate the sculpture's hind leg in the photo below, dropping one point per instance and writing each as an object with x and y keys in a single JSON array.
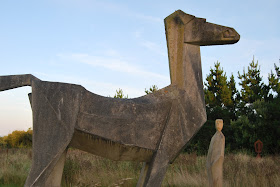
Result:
[
  {"x": 55, "y": 174},
  {"x": 153, "y": 173},
  {"x": 55, "y": 108},
  {"x": 55, "y": 177},
  {"x": 49, "y": 152},
  {"x": 143, "y": 174},
  {"x": 47, "y": 162}
]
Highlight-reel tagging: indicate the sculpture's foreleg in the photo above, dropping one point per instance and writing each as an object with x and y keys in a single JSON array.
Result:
[
  {"x": 170, "y": 143},
  {"x": 153, "y": 173}
]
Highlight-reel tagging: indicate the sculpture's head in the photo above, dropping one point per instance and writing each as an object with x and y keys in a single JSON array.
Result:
[
  {"x": 219, "y": 124},
  {"x": 199, "y": 32}
]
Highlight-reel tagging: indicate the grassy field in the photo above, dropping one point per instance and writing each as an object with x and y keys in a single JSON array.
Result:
[{"x": 83, "y": 169}]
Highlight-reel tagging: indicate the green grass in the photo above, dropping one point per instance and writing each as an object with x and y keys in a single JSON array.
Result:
[{"x": 84, "y": 169}]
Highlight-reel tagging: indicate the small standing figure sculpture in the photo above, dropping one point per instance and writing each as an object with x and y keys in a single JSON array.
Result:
[
  {"x": 258, "y": 148},
  {"x": 215, "y": 156}
]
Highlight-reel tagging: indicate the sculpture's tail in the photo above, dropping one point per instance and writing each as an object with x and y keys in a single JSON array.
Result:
[{"x": 15, "y": 81}]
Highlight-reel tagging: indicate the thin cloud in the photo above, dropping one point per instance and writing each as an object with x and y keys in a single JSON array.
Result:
[
  {"x": 242, "y": 55},
  {"x": 98, "y": 87},
  {"x": 149, "y": 18},
  {"x": 112, "y": 63},
  {"x": 154, "y": 47},
  {"x": 90, "y": 5},
  {"x": 137, "y": 34},
  {"x": 119, "y": 8}
]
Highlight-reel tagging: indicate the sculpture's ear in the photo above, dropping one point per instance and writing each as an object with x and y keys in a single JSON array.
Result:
[{"x": 179, "y": 17}]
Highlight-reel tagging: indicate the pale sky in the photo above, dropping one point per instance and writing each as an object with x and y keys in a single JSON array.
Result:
[{"x": 106, "y": 45}]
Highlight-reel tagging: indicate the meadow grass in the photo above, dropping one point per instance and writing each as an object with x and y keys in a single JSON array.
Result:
[{"x": 87, "y": 170}]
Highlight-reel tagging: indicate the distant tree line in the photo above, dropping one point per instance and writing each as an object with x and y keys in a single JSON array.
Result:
[
  {"x": 17, "y": 139},
  {"x": 249, "y": 114}
]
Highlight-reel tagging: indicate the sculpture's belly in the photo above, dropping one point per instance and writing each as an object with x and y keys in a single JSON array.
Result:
[{"x": 109, "y": 149}]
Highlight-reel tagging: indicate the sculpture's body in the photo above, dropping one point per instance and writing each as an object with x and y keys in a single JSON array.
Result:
[
  {"x": 215, "y": 157},
  {"x": 151, "y": 129}
]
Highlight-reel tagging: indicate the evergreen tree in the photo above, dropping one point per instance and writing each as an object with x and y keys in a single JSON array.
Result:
[
  {"x": 152, "y": 89},
  {"x": 274, "y": 110},
  {"x": 252, "y": 87},
  {"x": 119, "y": 94},
  {"x": 259, "y": 113},
  {"x": 235, "y": 97},
  {"x": 274, "y": 80},
  {"x": 217, "y": 91},
  {"x": 262, "y": 123},
  {"x": 220, "y": 95},
  {"x": 220, "y": 98}
]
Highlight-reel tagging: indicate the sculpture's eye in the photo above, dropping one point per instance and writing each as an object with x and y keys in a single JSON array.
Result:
[{"x": 228, "y": 34}]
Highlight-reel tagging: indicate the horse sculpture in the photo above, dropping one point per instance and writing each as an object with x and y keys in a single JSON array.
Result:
[{"x": 152, "y": 129}]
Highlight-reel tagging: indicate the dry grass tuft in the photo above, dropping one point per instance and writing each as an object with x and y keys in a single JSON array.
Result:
[
  {"x": 14, "y": 167},
  {"x": 86, "y": 170},
  {"x": 243, "y": 170}
]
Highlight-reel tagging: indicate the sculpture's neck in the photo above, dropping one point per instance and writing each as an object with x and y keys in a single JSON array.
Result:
[
  {"x": 186, "y": 68},
  {"x": 184, "y": 59}
]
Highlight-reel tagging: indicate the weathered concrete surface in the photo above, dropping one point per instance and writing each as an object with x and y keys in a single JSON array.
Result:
[
  {"x": 54, "y": 180},
  {"x": 154, "y": 128},
  {"x": 215, "y": 157}
]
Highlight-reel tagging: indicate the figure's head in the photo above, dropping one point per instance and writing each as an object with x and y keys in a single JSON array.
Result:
[
  {"x": 219, "y": 124},
  {"x": 199, "y": 32}
]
